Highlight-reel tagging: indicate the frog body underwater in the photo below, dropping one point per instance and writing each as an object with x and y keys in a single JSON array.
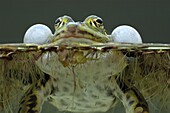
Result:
[{"x": 82, "y": 80}]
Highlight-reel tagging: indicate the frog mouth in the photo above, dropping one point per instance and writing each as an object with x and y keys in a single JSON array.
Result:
[{"x": 77, "y": 32}]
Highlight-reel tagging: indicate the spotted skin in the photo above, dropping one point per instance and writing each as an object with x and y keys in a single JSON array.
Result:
[
  {"x": 78, "y": 88},
  {"x": 33, "y": 99},
  {"x": 46, "y": 88}
]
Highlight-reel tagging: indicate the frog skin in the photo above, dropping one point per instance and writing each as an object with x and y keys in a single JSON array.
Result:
[{"x": 77, "y": 88}]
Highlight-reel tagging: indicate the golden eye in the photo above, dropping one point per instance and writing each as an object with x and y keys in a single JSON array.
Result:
[
  {"x": 95, "y": 23},
  {"x": 58, "y": 23},
  {"x": 61, "y": 21},
  {"x": 98, "y": 22}
]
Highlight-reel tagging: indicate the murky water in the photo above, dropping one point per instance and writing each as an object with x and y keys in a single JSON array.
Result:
[
  {"x": 150, "y": 75},
  {"x": 155, "y": 107}
]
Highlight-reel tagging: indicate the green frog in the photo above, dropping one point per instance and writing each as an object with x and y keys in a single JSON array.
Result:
[{"x": 80, "y": 80}]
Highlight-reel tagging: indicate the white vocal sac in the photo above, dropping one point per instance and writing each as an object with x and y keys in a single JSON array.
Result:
[
  {"x": 38, "y": 34},
  {"x": 125, "y": 34}
]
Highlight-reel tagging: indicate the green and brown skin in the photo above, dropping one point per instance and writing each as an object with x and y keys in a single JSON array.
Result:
[{"x": 92, "y": 30}]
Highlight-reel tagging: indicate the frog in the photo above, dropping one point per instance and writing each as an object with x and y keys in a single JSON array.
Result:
[{"x": 80, "y": 80}]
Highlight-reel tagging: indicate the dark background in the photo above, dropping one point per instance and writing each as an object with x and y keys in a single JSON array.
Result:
[{"x": 150, "y": 17}]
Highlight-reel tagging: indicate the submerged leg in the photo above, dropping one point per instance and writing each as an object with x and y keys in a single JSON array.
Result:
[
  {"x": 131, "y": 98},
  {"x": 34, "y": 98}
]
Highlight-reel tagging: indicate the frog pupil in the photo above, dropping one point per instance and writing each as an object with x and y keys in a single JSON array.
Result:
[
  {"x": 57, "y": 21},
  {"x": 99, "y": 21}
]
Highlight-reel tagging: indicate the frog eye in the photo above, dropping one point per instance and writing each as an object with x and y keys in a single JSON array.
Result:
[
  {"x": 58, "y": 23},
  {"x": 94, "y": 21},
  {"x": 98, "y": 22},
  {"x": 61, "y": 21}
]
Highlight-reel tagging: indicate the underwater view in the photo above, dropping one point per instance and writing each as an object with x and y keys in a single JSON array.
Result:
[{"x": 146, "y": 74}]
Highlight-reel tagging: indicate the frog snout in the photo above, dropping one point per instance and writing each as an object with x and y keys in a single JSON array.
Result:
[{"x": 71, "y": 27}]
